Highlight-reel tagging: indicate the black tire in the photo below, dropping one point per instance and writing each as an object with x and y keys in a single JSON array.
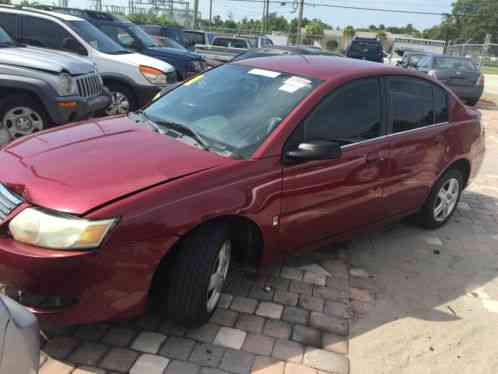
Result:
[
  {"x": 186, "y": 295},
  {"x": 472, "y": 102},
  {"x": 20, "y": 100},
  {"x": 115, "y": 87},
  {"x": 426, "y": 217}
]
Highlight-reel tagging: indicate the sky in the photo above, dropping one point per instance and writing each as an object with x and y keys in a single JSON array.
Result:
[
  {"x": 333, "y": 16},
  {"x": 340, "y": 17}
]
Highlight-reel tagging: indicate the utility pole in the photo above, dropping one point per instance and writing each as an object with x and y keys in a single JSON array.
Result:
[
  {"x": 299, "y": 39},
  {"x": 196, "y": 10},
  {"x": 263, "y": 20},
  {"x": 210, "y": 12}
]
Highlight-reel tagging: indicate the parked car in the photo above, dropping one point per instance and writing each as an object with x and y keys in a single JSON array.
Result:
[
  {"x": 365, "y": 49},
  {"x": 225, "y": 48},
  {"x": 460, "y": 74},
  {"x": 173, "y": 33},
  {"x": 411, "y": 59},
  {"x": 252, "y": 161},
  {"x": 282, "y": 50},
  {"x": 133, "y": 38},
  {"x": 19, "y": 339},
  {"x": 41, "y": 88},
  {"x": 194, "y": 37},
  {"x": 132, "y": 78}
]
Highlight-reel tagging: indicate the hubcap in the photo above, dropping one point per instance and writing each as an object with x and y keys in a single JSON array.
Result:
[
  {"x": 120, "y": 104},
  {"x": 219, "y": 275},
  {"x": 21, "y": 121},
  {"x": 446, "y": 199}
]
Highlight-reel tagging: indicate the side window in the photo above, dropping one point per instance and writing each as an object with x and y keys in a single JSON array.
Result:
[
  {"x": 9, "y": 23},
  {"x": 440, "y": 105},
  {"x": 47, "y": 34},
  {"x": 350, "y": 115},
  {"x": 238, "y": 43},
  {"x": 221, "y": 42},
  {"x": 411, "y": 103}
]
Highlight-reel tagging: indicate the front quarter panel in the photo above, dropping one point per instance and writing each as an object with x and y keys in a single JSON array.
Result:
[{"x": 152, "y": 221}]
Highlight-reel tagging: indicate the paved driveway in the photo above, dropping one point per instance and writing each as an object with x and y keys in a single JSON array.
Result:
[{"x": 413, "y": 301}]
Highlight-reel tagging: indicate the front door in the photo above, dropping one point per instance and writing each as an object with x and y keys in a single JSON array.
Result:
[{"x": 329, "y": 197}]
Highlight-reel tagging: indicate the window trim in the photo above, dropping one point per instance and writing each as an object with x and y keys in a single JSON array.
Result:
[{"x": 335, "y": 91}]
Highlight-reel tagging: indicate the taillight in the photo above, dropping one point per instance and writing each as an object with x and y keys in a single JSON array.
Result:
[{"x": 480, "y": 81}]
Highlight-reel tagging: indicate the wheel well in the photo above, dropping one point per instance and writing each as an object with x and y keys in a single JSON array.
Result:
[
  {"x": 247, "y": 240},
  {"x": 464, "y": 166},
  {"x": 19, "y": 91},
  {"x": 119, "y": 82}
]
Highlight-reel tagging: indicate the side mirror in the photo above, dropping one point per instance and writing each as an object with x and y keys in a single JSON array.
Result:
[
  {"x": 314, "y": 150},
  {"x": 71, "y": 45}
]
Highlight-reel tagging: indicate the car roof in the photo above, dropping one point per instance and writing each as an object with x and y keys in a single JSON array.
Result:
[
  {"x": 321, "y": 67},
  {"x": 28, "y": 10}
]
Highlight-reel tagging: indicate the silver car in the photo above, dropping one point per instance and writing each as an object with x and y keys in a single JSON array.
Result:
[{"x": 19, "y": 339}]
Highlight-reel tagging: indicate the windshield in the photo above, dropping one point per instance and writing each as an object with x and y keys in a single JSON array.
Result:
[
  {"x": 169, "y": 43},
  {"x": 96, "y": 38},
  {"x": 140, "y": 34},
  {"x": 233, "y": 108},
  {"x": 449, "y": 63},
  {"x": 5, "y": 38}
]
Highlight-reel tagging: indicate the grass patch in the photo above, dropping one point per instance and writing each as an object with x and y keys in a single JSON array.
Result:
[{"x": 489, "y": 70}]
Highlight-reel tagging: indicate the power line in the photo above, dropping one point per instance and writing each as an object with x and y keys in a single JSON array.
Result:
[{"x": 400, "y": 11}]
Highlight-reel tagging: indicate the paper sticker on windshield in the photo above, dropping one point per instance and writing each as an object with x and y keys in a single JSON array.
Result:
[
  {"x": 193, "y": 80},
  {"x": 264, "y": 73},
  {"x": 293, "y": 84}
]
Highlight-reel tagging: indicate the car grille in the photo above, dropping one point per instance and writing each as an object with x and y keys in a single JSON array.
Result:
[
  {"x": 8, "y": 202},
  {"x": 89, "y": 85}
]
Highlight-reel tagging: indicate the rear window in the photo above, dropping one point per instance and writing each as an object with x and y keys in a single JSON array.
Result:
[
  {"x": 451, "y": 63},
  {"x": 365, "y": 47},
  {"x": 192, "y": 37}
]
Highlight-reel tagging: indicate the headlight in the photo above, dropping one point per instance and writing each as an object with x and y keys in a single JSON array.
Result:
[
  {"x": 65, "y": 86},
  {"x": 154, "y": 76},
  {"x": 57, "y": 230}
]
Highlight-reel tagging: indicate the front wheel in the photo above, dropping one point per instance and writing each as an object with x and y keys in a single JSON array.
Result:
[
  {"x": 196, "y": 279},
  {"x": 20, "y": 115},
  {"x": 122, "y": 100},
  {"x": 443, "y": 200}
]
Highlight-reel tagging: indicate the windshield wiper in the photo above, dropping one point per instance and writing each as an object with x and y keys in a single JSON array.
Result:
[{"x": 182, "y": 129}]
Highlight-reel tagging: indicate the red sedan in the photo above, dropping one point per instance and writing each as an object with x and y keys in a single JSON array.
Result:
[{"x": 251, "y": 161}]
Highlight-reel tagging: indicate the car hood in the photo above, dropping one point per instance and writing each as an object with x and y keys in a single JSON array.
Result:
[
  {"x": 46, "y": 60},
  {"x": 174, "y": 52},
  {"x": 80, "y": 167}
]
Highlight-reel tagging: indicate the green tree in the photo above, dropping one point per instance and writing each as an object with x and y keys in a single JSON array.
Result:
[
  {"x": 4, "y": 1},
  {"x": 313, "y": 31},
  {"x": 474, "y": 19},
  {"x": 349, "y": 32},
  {"x": 332, "y": 45}
]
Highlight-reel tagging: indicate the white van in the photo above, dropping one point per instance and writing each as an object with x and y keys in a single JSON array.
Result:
[{"x": 133, "y": 78}]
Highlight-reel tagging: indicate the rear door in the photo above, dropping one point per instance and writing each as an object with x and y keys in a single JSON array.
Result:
[
  {"x": 329, "y": 197},
  {"x": 418, "y": 126}
]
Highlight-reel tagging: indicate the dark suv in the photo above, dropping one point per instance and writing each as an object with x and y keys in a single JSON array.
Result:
[
  {"x": 366, "y": 49},
  {"x": 133, "y": 37}
]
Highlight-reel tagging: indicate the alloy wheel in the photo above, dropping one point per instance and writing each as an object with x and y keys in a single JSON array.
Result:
[
  {"x": 120, "y": 104},
  {"x": 446, "y": 199},
  {"x": 219, "y": 275}
]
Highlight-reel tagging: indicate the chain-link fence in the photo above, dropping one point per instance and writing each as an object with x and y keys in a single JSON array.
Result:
[{"x": 482, "y": 54}]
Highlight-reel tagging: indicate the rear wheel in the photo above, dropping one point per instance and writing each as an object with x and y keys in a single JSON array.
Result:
[
  {"x": 443, "y": 200},
  {"x": 472, "y": 102},
  {"x": 196, "y": 279}
]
